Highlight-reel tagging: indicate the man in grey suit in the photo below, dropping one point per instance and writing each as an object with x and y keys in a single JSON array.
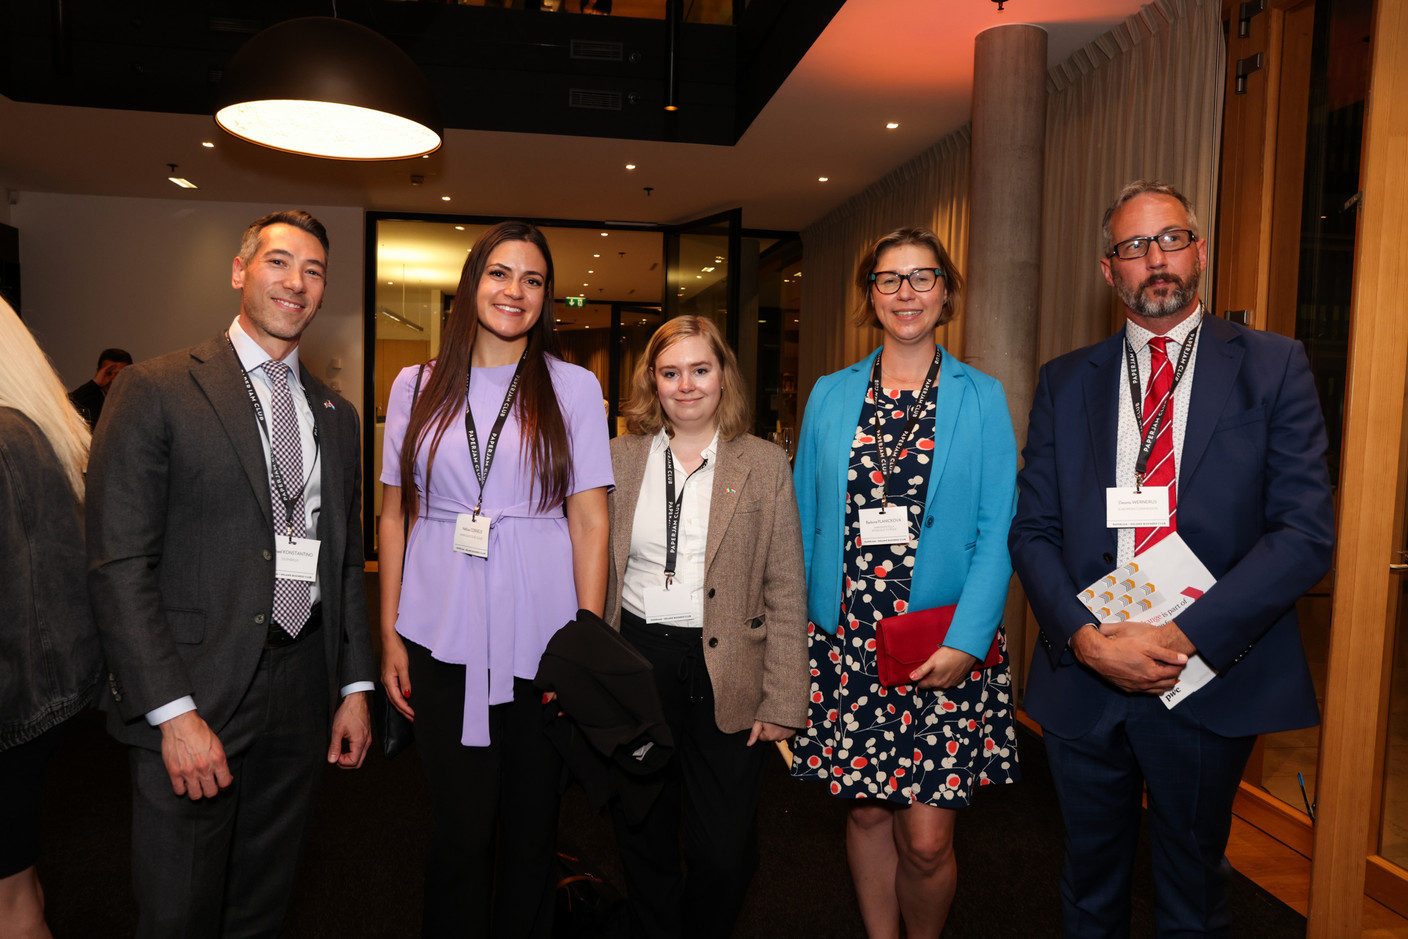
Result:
[{"x": 225, "y": 574}]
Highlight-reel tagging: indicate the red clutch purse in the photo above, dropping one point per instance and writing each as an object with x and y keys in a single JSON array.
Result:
[{"x": 905, "y": 642}]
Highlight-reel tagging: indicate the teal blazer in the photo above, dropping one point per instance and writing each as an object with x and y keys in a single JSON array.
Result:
[{"x": 962, "y": 557}]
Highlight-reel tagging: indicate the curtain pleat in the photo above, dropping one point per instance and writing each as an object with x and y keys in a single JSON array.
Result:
[{"x": 1142, "y": 101}]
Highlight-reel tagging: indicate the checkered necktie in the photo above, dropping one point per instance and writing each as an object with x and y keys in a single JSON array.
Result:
[
  {"x": 292, "y": 598},
  {"x": 1160, "y": 471}
]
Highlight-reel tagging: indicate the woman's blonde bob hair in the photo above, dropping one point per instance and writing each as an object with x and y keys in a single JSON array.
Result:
[
  {"x": 29, "y": 384},
  {"x": 921, "y": 237},
  {"x": 643, "y": 412}
]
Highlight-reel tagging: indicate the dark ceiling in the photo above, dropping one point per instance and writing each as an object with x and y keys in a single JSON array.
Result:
[{"x": 492, "y": 69}]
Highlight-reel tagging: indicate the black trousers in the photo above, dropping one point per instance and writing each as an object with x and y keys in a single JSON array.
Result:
[
  {"x": 714, "y": 780},
  {"x": 21, "y": 785},
  {"x": 226, "y": 865},
  {"x": 512, "y": 785}
]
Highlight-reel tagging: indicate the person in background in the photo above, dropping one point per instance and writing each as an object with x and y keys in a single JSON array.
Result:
[
  {"x": 706, "y": 581},
  {"x": 497, "y": 453},
  {"x": 50, "y": 662},
  {"x": 89, "y": 396},
  {"x": 1224, "y": 424},
  {"x": 225, "y": 574},
  {"x": 913, "y": 428}
]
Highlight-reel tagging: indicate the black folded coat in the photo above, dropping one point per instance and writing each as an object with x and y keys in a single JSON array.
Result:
[{"x": 614, "y": 738}]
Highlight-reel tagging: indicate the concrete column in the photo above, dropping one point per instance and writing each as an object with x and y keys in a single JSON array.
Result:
[{"x": 1004, "y": 244}]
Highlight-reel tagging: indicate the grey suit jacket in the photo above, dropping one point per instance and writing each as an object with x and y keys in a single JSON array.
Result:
[
  {"x": 181, "y": 539},
  {"x": 755, "y": 602}
]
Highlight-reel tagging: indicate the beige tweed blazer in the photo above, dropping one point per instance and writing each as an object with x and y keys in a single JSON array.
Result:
[{"x": 755, "y": 600}]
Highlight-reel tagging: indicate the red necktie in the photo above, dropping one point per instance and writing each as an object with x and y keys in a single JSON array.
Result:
[{"x": 1160, "y": 471}]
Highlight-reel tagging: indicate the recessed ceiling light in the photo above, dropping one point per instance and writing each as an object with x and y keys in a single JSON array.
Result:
[
  {"x": 390, "y": 283},
  {"x": 822, "y": 179},
  {"x": 208, "y": 144},
  {"x": 603, "y": 234},
  {"x": 425, "y": 156},
  {"x": 584, "y": 285},
  {"x": 892, "y": 125},
  {"x": 444, "y": 198},
  {"x": 596, "y": 255},
  {"x": 591, "y": 272},
  {"x": 698, "y": 276},
  {"x": 459, "y": 228},
  {"x": 181, "y": 181},
  {"x": 630, "y": 166}
]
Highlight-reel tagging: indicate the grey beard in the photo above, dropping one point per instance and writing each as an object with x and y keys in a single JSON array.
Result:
[{"x": 1151, "y": 307}]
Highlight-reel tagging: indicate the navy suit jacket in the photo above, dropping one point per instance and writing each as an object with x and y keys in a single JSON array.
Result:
[{"x": 1254, "y": 505}]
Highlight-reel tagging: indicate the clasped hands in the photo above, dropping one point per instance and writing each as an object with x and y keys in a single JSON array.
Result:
[{"x": 1134, "y": 656}]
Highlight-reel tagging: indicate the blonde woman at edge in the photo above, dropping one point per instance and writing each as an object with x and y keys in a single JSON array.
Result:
[
  {"x": 721, "y": 617},
  {"x": 48, "y": 646},
  {"x": 910, "y": 756}
]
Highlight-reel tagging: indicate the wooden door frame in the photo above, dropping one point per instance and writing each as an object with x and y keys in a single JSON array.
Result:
[{"x": 1356, "y": 685}]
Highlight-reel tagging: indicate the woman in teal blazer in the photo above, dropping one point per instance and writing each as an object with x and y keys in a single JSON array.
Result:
[{"x": 940, "y": 447}]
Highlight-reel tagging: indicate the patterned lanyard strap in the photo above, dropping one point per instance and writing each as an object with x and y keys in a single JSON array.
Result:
[
  {"x": 483, "y": 474},
  {"x": 289, "y": 499},
  {"x": 1136, "y": 397},
  {"x": 889, "y": 458}
]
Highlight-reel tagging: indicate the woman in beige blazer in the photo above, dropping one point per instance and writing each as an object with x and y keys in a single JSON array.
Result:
[{"x": 706, "y": 581}]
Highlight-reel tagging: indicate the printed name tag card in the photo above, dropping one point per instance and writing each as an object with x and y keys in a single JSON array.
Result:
[
  {"x": 1127, "y": 508},
  {"x": 296, "y": 559},
  {"x": 472, "y": 534}
]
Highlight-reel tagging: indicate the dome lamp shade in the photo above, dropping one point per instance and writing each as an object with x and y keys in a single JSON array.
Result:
[{"x": 329, "y": 88}]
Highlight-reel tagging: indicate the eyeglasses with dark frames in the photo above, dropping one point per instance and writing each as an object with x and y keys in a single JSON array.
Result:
[
  {"x": 922, "y": 280},
  {"x": 1175, "y": 239}
]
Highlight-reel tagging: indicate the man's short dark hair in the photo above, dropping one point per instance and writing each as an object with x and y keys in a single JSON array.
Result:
[
  {"x": 298, "y": 218},
  {"x": 114, "y": 355}
]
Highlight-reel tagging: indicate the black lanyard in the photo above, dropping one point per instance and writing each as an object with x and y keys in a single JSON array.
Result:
[
  {"x": 483, "y": 475},
  {"x": 888, "y": 459},
  {"x": 674, "y": 508},
  {"x": 289, "y": 499},
  {"x": 1136, "y": 397}
]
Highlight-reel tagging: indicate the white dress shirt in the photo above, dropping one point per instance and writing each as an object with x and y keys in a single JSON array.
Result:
[
  {"x": 645, "y": 565},
  {"x": 1128, "y": 438}
]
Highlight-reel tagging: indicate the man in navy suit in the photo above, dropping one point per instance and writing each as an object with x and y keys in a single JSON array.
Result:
[{"x": 1238, "y": 444}]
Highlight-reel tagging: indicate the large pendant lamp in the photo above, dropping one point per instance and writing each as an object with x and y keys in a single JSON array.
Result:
[{"x": 328, "y": 88}]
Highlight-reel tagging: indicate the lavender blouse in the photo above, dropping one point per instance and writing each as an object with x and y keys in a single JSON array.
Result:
[{"x": 494, "y": 615}]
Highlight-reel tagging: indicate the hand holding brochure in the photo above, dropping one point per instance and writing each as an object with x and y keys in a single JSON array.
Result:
[{"x": 1156, "y": 587}]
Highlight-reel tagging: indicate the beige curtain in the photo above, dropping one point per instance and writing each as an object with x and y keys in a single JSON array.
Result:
[
  {"x": 1143, "y": 100},
  {"x": 929, "y": 190}
]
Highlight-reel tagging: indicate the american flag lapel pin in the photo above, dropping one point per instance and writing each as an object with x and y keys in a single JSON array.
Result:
[{"x": 329, "y": 405}]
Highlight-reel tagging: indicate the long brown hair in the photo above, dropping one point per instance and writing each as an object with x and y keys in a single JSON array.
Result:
[
  {"x": 643, "y": 412},
  {"x": 545, "y": 455}
]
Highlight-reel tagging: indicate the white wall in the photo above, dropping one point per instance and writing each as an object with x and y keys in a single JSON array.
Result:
[{"x": 153, "y": 275}]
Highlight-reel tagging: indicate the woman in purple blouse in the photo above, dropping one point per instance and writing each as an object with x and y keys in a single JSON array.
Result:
[{"x": 507, "y": 498}]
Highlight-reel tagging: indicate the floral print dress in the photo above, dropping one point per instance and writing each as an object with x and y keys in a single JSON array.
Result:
[{"x": 902, "y": 744}]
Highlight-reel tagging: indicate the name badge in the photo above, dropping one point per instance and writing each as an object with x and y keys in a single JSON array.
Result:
[
  {"x": 674, "y": 606},
  {"x": 884, "y": 526},
  {"x": 296, "y": 560},
  {"x": 472, "y": 535},
  {"x": 1126, "y": 508}
]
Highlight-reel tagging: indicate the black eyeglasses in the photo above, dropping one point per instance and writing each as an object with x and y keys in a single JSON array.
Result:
[
  {"x": 922, "y": 279},
  {"x": 1173, "y": 240}
]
